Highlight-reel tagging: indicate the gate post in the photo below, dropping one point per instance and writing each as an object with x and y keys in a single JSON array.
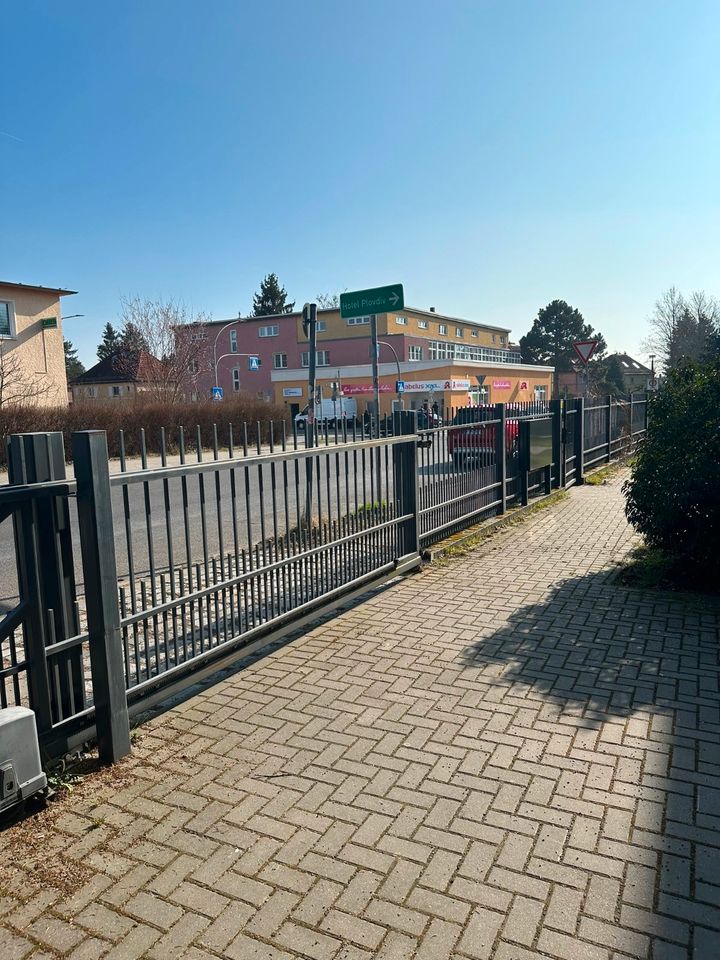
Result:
[
  {"x": 46, "y": 570},
  {"x": 580, "y": 440},
  {"x": 405, "y": 477},
  {"x": 501, "y": 453},
  {"x": 97, "y": 538},
  {"x": 558, "y": 452}
]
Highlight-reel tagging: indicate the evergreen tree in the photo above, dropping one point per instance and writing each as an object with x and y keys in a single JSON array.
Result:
[
  {"x": 272, "y": 298},
  {"x": 110, "y": 342},
  {"x": 132, "y": 338},
  {"x": 550, "y": 339},
  {"x": 73, "y": 365}
]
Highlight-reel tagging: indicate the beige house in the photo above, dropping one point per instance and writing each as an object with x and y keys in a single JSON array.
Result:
[
  {"x": 125, "y": 375},
  {"x": 32, "y": 357}
]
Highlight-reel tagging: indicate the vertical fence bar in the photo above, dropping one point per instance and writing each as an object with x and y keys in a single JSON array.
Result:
[
  {"x": 97, "y": 541},
  {"x": 558, "y": 448},
  {"x": 608, "y": 426},
  {"x": 501, "y": 453},
  {"x": 580, "y": 440},
  {"x": 37, "y": 458},
  {"x": 405, "y": 478}
]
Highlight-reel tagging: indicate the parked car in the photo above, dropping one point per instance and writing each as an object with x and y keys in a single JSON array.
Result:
[
  {"x": 327, "y": 411},
  {"x": 477, "y": 439}
]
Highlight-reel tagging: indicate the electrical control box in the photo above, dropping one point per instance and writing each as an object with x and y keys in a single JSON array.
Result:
[{"x": 21, "y": 774}]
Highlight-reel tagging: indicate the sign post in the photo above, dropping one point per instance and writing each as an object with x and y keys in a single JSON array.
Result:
[
  {"x": 363, "y": 303},
  {"x": 585, "y": 349}
]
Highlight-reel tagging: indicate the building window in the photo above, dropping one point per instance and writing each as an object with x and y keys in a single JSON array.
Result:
[
  {"x": 473, "y": 333},
  {"x": 233, "y": 341},
  {"x": 357, "y": 321},
  {"x": 320, "y": 326},
  {"x": 7, "y": 319},
  {"x": 271, "y": 331},
  {"x": 279, "y": 361},
  {"x": 116, "y": 391},
  {"x": 422, "y": 324},
  {"x": 442, "y": 329},
  {"x": 483, "y": 394},
  {"x": 322, "y": 358},
  {"x": 236, "y": 379},
  {"x": 90, "y": 391},
  {"x": 193, "y": 366},
  {"x": 415, "y": 353},
  {"x": 459, "y": 332},
  {"x": 494, "y": 338},
  {"x": 401, "y": 321},
  {"x": 541, "y": 393}
]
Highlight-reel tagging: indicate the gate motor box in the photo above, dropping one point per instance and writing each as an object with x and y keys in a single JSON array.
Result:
[{"x": 20, "y": 772}]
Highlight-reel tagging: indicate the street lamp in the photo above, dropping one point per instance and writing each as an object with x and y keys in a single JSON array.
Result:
[
  {"x": 384, "y": 343},
  {"x": 215, "y": 356}
]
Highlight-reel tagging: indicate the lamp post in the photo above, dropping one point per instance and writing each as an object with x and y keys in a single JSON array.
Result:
[
  {"x": 384, "y": 343},
  {"x": 215, "y": 356}
]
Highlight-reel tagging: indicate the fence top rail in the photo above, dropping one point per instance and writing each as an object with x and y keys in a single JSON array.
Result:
[
  {"x": 233, "y": 463},
  {"x": 21, "y": 493}
]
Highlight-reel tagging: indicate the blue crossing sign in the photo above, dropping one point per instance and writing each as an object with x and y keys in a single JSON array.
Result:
[
  {"x": 399, "y": 386},
  {"x": 217, "y": 393},
  {"x": 254, "y": 363}
]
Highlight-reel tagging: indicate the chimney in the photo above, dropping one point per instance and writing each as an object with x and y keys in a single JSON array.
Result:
[{"x": 432, "y": 309}]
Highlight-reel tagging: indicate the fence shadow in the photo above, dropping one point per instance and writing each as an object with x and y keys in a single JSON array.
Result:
[{"x": 641, "y": 668}]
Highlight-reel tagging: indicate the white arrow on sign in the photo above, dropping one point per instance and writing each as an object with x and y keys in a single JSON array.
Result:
[
  {"x": 585, "y": 349},
  {"x": 393, "y": 298}
]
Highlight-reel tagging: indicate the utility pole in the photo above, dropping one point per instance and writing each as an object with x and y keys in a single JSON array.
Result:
[
  {"x": 310, "y": 331},
  {"x": 375, "y": 350}
]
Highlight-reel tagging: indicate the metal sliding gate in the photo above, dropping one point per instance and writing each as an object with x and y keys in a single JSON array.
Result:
[{"x": 135, "y": 584}]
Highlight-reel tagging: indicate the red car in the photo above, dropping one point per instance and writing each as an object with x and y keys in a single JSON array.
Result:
[{"x": 471, "y": 438}]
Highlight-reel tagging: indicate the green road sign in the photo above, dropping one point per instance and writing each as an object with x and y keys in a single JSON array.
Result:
[
  {"x": 49, "y": 323},
  {"x": 364, "y": 302}
]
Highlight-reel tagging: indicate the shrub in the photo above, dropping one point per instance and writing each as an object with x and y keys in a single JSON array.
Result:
[
  {"x": 673, "y": 494},
  {"x": 151, "y": 416}
]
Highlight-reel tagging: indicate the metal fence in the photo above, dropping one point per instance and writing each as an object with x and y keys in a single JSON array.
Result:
[{"x": 134, "y": 584}]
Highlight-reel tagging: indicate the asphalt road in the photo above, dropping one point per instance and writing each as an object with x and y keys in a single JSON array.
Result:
[{"x": 168, "y": 522}]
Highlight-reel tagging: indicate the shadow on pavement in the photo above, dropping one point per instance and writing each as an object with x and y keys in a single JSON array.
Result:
[{"x": 641, "y": 668}]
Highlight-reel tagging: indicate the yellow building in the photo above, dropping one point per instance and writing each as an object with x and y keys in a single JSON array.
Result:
[
  {"x": 443, "y": 360},
  {"x": 32, "y": 357}
]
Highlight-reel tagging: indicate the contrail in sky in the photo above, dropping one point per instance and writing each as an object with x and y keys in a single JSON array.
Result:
[{"x": 11, "y": 135}]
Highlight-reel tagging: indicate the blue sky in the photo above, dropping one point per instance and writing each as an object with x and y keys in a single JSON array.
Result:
[{"x": 491, "y": 156}]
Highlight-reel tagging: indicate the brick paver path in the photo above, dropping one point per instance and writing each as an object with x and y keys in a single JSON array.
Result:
[{"x": 505, "y": 757}]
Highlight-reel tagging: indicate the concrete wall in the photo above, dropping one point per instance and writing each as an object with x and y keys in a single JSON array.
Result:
[{"x": 36, "y": 352}]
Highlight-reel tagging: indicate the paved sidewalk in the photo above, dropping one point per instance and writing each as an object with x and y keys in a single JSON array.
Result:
[{"x": 507, "y": 756}]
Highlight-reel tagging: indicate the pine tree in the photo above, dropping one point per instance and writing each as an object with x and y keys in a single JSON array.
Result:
[
  {"x": 550, "y": 339},
  {"x": 132, "y": 338},
  {"x": 74, "y": 366},
  {"x": 110, "y": 342},
  {"x": 272, "y": 298}
]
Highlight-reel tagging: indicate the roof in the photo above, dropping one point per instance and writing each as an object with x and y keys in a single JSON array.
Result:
[
  {"x": 629, "y": 365},
  {"x": 296, "y": 314},
  {"x": 123, "y": 366},
  {"x": 31, "y": 286}
]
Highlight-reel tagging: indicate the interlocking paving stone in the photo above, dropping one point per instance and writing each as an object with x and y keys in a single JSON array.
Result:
[{"x": 509, "y": 756}]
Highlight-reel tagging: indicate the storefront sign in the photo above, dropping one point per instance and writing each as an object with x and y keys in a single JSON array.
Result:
[
  {"x": 501, "y": 384},
  {"x": 292, "y": 391},
  {"x": 523, "y": 385},
  {"x": 435, "y": 386},
  {"x": 351, "y": 389}
]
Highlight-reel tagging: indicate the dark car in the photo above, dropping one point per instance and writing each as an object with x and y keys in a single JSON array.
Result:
[{"x": 476, "y": 439}]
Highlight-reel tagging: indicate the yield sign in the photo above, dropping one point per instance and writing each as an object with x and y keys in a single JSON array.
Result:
[{"x": 585, "y": 349}]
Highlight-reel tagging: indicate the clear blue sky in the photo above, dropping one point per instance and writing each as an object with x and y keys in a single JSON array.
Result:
[{"x": 492, "y": 156}]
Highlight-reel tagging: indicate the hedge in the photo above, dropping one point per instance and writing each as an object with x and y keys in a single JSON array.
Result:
[{"x": 131, "y": 417}]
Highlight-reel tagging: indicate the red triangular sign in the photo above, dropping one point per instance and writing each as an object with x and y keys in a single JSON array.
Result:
[{"x": 585, "y": 349}]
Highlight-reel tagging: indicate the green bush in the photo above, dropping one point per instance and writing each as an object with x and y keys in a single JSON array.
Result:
[
  {"x": 673, "y": 494},
  {"x": 151, "y": 416}
]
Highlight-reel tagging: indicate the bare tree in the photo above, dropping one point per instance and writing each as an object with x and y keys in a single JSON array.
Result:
[
  {"x": 328, "y": 301},
  {"x": 682, "y": 328},
  {"x": 664, "y": 321},
  {"x": 174, "y": 337},
  {"x": 17, "y": 387}
]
